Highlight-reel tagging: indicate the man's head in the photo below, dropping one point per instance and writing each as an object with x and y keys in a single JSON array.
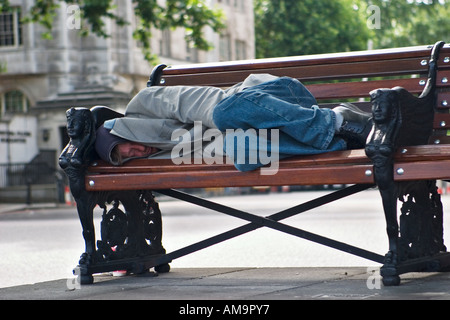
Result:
[
  {"x": 116, "y": 150},
  {"x": 131, "y": 150}
]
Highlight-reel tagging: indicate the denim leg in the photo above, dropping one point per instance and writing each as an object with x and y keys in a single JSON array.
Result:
[{"x": 283, "y": 104}]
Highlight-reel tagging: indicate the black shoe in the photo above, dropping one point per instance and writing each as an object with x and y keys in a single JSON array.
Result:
[{"x": 356, "y": 125}]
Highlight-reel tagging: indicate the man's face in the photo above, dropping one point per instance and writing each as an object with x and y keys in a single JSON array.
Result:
[{"x": 133, "y": 149}]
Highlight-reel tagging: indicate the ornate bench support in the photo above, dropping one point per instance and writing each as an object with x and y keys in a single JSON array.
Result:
[
  {"x": 401, "y": 119},
  {"x": 131, "y": 231}
]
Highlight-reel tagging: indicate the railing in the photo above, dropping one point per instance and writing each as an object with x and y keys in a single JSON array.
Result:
[{"x": 20, "y": 174}]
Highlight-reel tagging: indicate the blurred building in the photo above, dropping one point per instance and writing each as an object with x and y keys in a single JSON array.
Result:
[{"x": 40, "y": 79}]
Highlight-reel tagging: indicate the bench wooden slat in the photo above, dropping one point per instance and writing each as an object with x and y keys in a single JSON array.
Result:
[
  {"x": 306, "y": 73},
  {"x": 443, "y": 78},
  {"x": 361, "y": 89},
  {"x": 441, "y": 121},
  {"x": 341, "y": 167},
  {"x": 423, "y": 153},
  {"x": 315, "y": 175},
  {"x": 326, "y": 66},
  {"x": 437, "y": 138},
  {"x": 443, "y": 100},
  {"x": 420, "y": 52},
  {"x": 426, "y": 170},
  {"x": 444, "y": 57},
  {"x": 157, "y": 165},
  {"x": 358, "y": 156},
  {"x": 230, "y": 178}
]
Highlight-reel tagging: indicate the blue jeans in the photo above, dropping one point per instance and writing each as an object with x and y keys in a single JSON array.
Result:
[{"x": 283, "y": 104}]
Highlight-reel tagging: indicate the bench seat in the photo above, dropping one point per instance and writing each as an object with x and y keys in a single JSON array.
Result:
[{"x": 339, "y": 167}]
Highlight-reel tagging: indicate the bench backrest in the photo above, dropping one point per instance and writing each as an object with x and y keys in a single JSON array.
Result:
[{"x": 333, "y": 78}]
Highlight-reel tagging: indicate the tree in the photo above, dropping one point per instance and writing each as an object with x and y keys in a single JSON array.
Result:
[
  {"x": 408, "y": 22},
  {"x": 287, "y": 27},
  {"x": 193, "y": 15}
]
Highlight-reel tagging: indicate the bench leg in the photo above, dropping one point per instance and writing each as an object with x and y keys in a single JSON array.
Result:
[
  {"x": 417, "y": 243},
  {"x": 130, "y": 231},
  {"x": 401, "y": 119},
  {"x": 85, "y": 206},
  {"x": 419, "y": 239},
  {"x": 388, "y": 271},
  {"x": 85, "y": 214},
  {"x": 388, "y": 192}
]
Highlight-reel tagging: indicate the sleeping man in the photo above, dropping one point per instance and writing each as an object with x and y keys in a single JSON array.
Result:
[{"x": 254, "y": 123}]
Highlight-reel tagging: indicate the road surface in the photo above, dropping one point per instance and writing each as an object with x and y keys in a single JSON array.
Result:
[{"x": 45, "y": 245}]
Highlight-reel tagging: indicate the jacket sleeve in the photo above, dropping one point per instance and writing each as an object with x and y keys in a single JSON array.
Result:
[{"x": 251, "y": 81}]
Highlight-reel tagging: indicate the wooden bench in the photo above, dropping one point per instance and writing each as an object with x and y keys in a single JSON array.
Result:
[{"x": 405, "y": 165}]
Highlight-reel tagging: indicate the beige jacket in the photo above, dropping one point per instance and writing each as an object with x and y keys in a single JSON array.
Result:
[{"x": 155, "y": 112}]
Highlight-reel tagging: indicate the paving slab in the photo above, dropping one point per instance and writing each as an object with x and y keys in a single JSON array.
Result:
[{"x": 242, "y": 284}]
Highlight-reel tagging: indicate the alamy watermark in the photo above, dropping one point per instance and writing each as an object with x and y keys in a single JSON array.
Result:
[
  {"x": 74, "y": 283},
  {"x": 374, "y": 279},
  {"x": 374, "y": 20},
  {"x": 242, "y": 147},
  {"x": 73, "y": 21}
]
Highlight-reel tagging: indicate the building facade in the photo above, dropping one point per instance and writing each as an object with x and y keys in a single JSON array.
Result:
[{"x": 40, "y": 79}]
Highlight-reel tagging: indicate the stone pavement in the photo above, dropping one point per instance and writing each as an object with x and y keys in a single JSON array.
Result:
[
  {"x": 15, "y": 207},
  {"x": 242, "y": 284}
]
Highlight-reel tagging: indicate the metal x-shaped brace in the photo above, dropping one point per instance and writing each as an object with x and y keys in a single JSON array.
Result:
[{"x": 271, "y": 221}]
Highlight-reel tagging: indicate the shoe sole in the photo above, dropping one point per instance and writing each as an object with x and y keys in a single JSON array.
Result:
[{"x": 354, "y": 108}]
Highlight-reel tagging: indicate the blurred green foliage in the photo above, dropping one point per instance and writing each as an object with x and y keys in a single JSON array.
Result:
[{"x": 289, "y": 27}]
